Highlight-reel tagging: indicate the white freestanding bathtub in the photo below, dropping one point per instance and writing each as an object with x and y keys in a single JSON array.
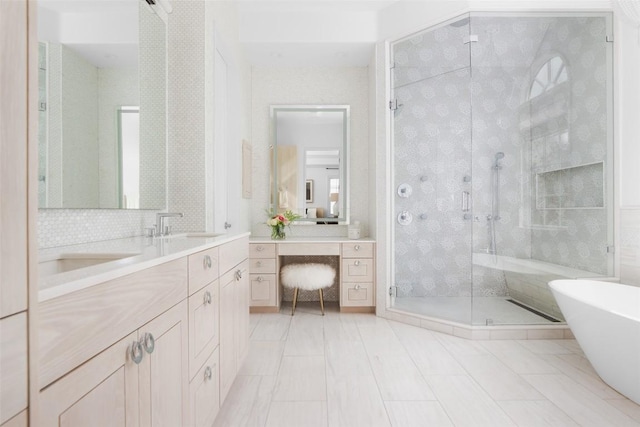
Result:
[{"x": 605, "y": 319}]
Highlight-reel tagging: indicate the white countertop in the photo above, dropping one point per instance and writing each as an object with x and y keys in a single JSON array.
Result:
[
  {"x": 146, "y": 252},
  {"x": 309, "y": 239}
]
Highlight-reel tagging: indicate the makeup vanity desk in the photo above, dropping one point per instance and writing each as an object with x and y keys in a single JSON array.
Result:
[{"x": 355, "y": 272}]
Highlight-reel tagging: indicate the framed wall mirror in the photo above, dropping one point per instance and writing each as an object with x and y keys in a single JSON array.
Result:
[
  {"x": 102, "y": 98},
  {"x": 309, "y": 158}
]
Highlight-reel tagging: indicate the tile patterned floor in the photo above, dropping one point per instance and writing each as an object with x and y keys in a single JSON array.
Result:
[{"x": 360, "y": 370}]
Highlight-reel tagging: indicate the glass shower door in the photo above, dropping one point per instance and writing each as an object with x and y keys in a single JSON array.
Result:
[
  {"x": 541, "y": 155},
  {"x": 431, "y": 122}
]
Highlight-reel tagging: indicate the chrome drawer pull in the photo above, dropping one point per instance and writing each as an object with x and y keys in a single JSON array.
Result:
[
  {"x": 356, "y": 247},
  {"x": 357, "y": 263},
  {"x": 259, "y": 264},
  {"x": 135, "y": 352},
  {"x": 149, "y": 343},
  {"x": 208, "y": 373},
  {"x": 206, "y": 262},
  {"x": 259, "y": 248},
  {"x": 207, "y": 298},
  {"x": 357, "y": 287},
  {"x": 259, "y": 279}
]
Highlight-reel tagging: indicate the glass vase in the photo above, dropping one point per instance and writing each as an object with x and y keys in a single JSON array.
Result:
[{"x": 277, "y": 232}]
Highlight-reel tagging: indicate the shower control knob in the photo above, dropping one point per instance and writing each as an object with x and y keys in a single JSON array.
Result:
[
  {"x": 423, "y": 216},
  {"x": 405, "y": 190},
  {"x": 405, "y": 218}
]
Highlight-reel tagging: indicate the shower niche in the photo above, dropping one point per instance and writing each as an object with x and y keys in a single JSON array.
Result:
[{"x": 501, "y": 126}]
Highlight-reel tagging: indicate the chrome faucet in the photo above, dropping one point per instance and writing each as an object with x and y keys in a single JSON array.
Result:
[{"x": 161, "y": 228}]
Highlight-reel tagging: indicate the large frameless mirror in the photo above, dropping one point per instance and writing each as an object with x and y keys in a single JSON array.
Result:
[
  {"x": 102, "y": 98},
  {"x": 309, "y": 148}
]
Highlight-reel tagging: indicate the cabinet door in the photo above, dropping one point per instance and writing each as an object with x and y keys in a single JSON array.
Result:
[
  {"x": 164, "y": 384},
  {"x": 242, "y": 312},
  {"x": 204, "y": 393},
  {"x": 228, "y": 362},
  {"x": 204, "y": 335},
  {"x": 103, "y": 392},
  {"x": 263, "y": 290}
]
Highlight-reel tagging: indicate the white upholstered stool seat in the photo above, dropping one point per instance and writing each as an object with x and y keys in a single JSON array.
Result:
[{"x": 308, "y": 277}]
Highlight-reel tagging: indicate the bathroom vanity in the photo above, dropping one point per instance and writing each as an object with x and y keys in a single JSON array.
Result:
[
  {"x": 155, "y": 338},
  {"x": 355, "y": 265}
]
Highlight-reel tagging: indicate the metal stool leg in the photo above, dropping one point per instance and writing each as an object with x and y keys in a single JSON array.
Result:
[
  {"x": 321, "y": 301},
  {"x": 295, "y": 299}
]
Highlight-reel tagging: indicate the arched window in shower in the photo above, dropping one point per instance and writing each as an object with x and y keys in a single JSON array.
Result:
[{"x": 552, "y": 73}]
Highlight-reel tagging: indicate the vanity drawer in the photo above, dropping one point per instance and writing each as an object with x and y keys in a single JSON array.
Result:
[
  {"x": 262, "y": 250},
  {"x": 263, "y": 290},
  {"x": 204, "y": 324},
  {"x": 262, "y": 266},
  {"x": 357, "y": 250},
  {"x": 203, "y": 269},
  {"x": 313, "y": 248},
  {"x": 357, "y": 270},
  {"x": 357, "y": 294}
]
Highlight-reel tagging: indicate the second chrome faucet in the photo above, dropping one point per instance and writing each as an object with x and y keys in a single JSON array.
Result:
[{"x": 161, "y": 228}]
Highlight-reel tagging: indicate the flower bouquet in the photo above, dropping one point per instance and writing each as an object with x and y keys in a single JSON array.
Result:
[{"x": 277, "y": 223}]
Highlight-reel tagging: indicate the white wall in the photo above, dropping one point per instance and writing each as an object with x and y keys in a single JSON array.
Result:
[{"x": 311, "y": 86}]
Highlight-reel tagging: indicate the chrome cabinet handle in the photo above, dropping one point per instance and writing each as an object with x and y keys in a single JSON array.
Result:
[
  {"x": 206, "y": 262},
  {"x": 207, "y": 298},
  {"x": 356, "y": 263},
  {"x": 149, "y": 343},
  {"x": 259, "y": 248},
  {"x": 239, "y": 274},
  {"x": 135, "y": 352},
  {"x": 208, "y": 373},
  {"x": 259, "y": 279},
  {"x": 357, "y": 287},
  {"x": 356, "y": 247}
]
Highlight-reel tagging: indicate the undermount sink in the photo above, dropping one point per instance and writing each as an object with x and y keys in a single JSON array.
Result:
[{"x": 73, "y": 261}]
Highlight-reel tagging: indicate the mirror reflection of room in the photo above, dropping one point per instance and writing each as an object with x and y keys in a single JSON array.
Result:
[
  {"x": 310, "y": 145},
  {"x": 102, "y": 138}
]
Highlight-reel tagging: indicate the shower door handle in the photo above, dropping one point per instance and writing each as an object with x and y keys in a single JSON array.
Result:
[{"x": 466, "y": 205}]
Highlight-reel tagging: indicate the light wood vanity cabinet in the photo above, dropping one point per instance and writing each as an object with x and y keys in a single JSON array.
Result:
[
  {"x": 356, "y": 272},
  {"x": 140, "y": 380},
  {"x": 166, "y": 372}
]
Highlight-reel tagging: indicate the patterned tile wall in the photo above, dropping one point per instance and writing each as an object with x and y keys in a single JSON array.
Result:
[
  {"x": 311, "y": 86},
  {"x": 62, "y": 227},
  {"x": 153, "y": 110}
]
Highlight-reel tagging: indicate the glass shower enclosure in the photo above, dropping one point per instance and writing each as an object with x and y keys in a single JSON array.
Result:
[{"x": 502, "y": 154}]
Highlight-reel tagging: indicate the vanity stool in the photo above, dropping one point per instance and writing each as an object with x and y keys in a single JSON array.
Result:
[{"x": 308, "y": 277}]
